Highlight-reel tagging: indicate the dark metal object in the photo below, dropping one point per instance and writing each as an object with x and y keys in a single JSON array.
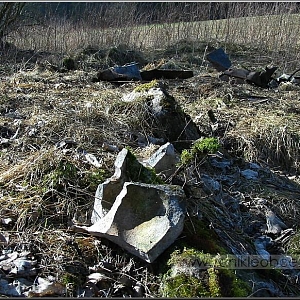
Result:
[
  {"x": 219, "y": 59},
  {"x": 166, "y": 74}
]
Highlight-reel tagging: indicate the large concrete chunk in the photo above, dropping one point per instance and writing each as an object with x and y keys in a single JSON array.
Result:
[
  {"x": 127, "y": 168},
  {"x": 145, "y": 219},
  {"x": 142, "y": 217}
]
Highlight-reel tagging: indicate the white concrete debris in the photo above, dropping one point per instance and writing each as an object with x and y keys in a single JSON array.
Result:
[{"x": 164, "y": 160}]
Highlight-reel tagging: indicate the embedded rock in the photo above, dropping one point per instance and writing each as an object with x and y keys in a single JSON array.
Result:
[
  {"x": 164, "y": 160},
  {"x": 171, "y": 122},
  {"x": 250, "y": 174},
  {"x": 178, "y": 127}
]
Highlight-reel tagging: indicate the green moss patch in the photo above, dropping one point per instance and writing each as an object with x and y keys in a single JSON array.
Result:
[
  {"x": 184, "y": 286},
  {"x": 189, "y": 277},
  {"x": 200, "y": 147}
]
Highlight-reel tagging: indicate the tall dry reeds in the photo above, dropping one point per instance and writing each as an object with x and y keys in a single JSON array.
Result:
[{"x": 267, "y": 27}]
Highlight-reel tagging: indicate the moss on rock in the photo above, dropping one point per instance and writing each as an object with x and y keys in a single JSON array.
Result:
[
  {"x": 200, "y": 148},
  {"x": 146, "y": 86},
  {"x": 138, "y": 173},
  {"x": 184, "y": 286}
]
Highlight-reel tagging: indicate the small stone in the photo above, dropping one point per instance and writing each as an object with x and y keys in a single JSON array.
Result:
[
  {"x": 250, "y": 174},
  {"x": 274, "y": 224},
  {"x": 164, "y": 160}
]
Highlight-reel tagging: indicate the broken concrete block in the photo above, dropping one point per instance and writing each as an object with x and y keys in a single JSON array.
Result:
[
  {"x": 144, "y": 219},
  {"x": 127, "y": 168},
  {"x": 110, "y": 188},
  {"x": 164, "y": 160}
]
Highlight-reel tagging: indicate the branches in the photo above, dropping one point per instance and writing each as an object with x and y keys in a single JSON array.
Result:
[{"x": 9, "y": 14}]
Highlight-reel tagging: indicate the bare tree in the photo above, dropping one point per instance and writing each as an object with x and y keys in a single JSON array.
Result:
[{"x": 10, "y": 13}]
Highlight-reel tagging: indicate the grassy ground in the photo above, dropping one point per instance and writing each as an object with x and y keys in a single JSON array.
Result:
[{"x": 50, "y": 120}]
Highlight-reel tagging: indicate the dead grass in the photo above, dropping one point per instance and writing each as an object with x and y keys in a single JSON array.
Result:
[
  {"x": 45, "y": 185},
  {"x": 47, "y": 182},
  {"x": 259, "y": 125},
  {"x": 268, "y": 35}
]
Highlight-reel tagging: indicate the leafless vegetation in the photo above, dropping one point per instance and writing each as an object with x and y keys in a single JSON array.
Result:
[
  {"x": 9, "y": 17},
  {"x": 50, "y": 119},
  {"x": 269, "y": 29}
]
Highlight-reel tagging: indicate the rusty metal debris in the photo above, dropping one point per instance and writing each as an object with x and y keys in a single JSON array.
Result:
[{"x": 260, "y": 78}]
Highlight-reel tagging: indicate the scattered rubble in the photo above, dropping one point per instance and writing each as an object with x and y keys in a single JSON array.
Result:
[
  {"x": 44, "y": 287},
  {"x": 20, "y": 266},
  {"x": 261, "y": 78},
  {"x": 130, "y": 72},
  {"x": 246, "y": 207},
  {"x": 220, "y": 60}
]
